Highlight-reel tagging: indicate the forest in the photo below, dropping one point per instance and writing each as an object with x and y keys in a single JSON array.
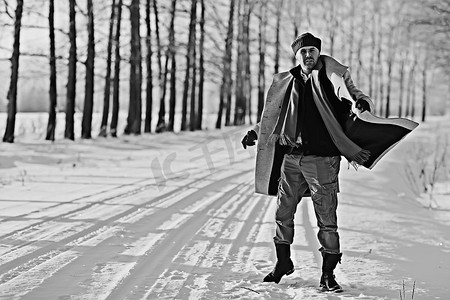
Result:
[{"x": 175, "y": 65}]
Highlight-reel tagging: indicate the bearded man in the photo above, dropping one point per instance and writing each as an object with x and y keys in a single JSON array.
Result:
[{"x": 300, "y": 144}]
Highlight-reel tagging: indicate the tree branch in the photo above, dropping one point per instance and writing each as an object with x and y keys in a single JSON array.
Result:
[{"x": 7, "y": 10}]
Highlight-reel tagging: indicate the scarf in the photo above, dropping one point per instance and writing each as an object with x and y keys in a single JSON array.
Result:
[
  {"x": 287, "y": 129},
  {"x": 352, "y": 152}
]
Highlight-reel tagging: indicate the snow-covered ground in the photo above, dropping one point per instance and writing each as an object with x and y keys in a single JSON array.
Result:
[{"x": 174, "y": 216}]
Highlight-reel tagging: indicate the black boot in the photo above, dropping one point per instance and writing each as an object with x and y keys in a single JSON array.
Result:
[
  {"x": 327, "y": 280},
  {"x": 284, "y": 265}
]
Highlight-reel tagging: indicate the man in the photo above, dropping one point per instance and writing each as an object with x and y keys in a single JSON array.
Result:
[{"x": 300, "y": 143}]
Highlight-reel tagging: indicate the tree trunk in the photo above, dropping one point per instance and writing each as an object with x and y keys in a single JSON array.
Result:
[
  {"x": 134, "y": 111},
  {"x": 107, "y": 92},
  {"x": 72, "y": 75},
  {"x": 413, "y": 96},
  {"x": 243, "y": 83},
  {"x": 351, "y": 32},
  {"x": 201, "y": 67},
  {"x": 189, "y": 63},
  {"x": 277, "y": 36},
  {"x": 51, "y": 125},
  {"x": 388, "y": 88},
  {"x": 192, "y": 117},
  {"x": 424, "y": 92},
  {"x": 330, "y": 13},
  {"x": 359, "y": 50},
  {"x": 172, "y": 98},
  {"x": 161, "y": 124},
  {"x": 411, "y": 86},
  {"x": 89, "y": 90},
  {"x": 247, "y": 70},
  {"x": 401, "y": 87},
  {"x": 172, "y": 50},
  {"x": 116, "y": 82},
  {"x": 149, "y": 83},
  {"x": 390, "y": 61},
  {"x": 372, "y": 56},
  {"x": 240, "y": 69},
  {"x": 296, "y": 17},
  {"x": 380, "y": 65},
  {"x": 225, "y": 88},
  {"x": 262, "y": 56},
  {"x": 12, "y": 91}
]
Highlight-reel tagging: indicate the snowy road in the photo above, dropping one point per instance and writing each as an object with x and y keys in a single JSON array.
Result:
[{"x": 176, "y": 218}]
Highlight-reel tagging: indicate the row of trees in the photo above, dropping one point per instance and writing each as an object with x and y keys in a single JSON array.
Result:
[{"x": 231, "y": 44}]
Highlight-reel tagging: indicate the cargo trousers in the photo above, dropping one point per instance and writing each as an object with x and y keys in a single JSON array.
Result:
[{"x": 320, "y": 174}]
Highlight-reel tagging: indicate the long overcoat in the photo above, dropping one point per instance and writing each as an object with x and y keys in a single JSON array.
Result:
[{"x": 269, "y": 156}]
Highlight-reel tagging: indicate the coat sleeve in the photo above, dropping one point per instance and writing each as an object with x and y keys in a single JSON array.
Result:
[
  {"x": 354, "y": 91},
  {"x": 256, "y": 128}
]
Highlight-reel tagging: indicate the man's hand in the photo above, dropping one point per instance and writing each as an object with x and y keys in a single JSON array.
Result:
[
  {"x": 362, "y": 105},
  {"x": 249, "y": 139}
]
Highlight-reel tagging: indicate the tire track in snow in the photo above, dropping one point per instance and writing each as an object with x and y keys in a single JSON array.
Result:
[
  {"x": 217, "y": 249},
  {"x": 21, "y": 284},
  {"x": 90, "y": 237},
  {"x": 152, "y": 270},
  {"x": 206, "y": 252}
]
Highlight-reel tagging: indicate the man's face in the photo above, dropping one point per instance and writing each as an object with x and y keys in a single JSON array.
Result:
[{"x": 308, "y": 57}]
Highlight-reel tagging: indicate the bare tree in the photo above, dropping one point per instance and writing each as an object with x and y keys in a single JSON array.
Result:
[
  {"x": 149, "y": 85},
  {"x": 172, "y": 51},
  {"x": 134, "y": 111},
  {"x": 359, "y": 48},
  {"x": 72, "y": 74},
  {"x": 201, "y": 67},
  {"x": 12, "y": 91},
  {"x": 296, "y": 17},
  {"x": 424, "y": 92},
  {"x": 192, "y": 45},
  {"x": 380, "y": 73},
  {"x": 331, "y": 17},
  {"x": 411, "y": 84},
  {"x": 243, "y": 75},
  {"x": 351, "y": 38},
  {"x": 401, "y": 84},
  {"x": 116, "y": 81},
  {"x": 239, "y": 110},
  {"x": 262, "y": 55},
  {"x": 225, "y": 87},
  {"x": 51, "y": 125},
  {"x": 161, "y": 124},
  {"x": 107, "y": 91},
  {"x": 189, "y": 63},
  {"x": 86, "y": 126},
  {"x": 279, "y": 6},
  {"x": 372, "y": 53},
  {"x": 390, "y": 62},
  {"x": 247, "y": 88}
]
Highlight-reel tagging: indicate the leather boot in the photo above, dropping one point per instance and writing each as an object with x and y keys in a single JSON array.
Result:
[
  {"x": 284, "y": 265},
  {"x": 327, "y": 280}
]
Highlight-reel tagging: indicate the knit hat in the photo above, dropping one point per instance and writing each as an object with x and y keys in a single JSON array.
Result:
[{"x": 305, "y": 39}]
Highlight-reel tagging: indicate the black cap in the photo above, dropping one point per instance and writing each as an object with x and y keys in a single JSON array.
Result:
[{"x": 305, "y": 39}]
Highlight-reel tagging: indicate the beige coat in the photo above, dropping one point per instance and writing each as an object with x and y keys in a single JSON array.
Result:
[{"x": 343, "y": 87}]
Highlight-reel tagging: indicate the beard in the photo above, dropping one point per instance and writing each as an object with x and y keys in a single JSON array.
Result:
[{"x": 309, "y": 63}]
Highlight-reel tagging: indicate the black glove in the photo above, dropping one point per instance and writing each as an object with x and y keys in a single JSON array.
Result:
[
  {"x": 362, "y": 105},
  {"x": 249, "y": 139}
]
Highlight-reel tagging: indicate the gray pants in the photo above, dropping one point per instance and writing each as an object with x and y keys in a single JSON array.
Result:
[{"x": 320, "y": 174}]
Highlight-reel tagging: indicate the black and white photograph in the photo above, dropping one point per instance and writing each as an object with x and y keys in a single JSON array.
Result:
[{"x": 224, "y": 149}]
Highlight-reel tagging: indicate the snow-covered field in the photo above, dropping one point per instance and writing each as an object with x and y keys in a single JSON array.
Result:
[{"x": 174, "y": 216}]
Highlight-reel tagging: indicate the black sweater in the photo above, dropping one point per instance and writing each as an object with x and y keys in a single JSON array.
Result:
[{"x": 315, "y": 137}]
